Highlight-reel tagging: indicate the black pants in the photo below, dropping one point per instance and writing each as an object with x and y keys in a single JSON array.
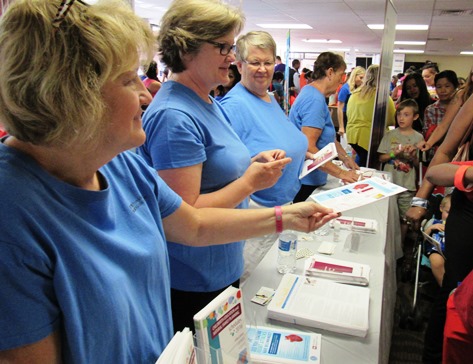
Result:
[
  {"x": 362, "y": 154},
  {"x": 186, "y": 304},
  {"x": 459, "y": 263},
  {"x": 304, "y": 192}
]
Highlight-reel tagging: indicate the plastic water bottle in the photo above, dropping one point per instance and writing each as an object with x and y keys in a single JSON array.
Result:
[
  {"x": 349, "y": 150},
  {"x": 287, "y": 247}
]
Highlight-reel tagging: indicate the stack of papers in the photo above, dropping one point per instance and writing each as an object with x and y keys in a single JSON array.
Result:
[
  {"x": 322, "y": 304},
  {"x": 356, "y": 224},
  {"x": 339, "y": 271}
]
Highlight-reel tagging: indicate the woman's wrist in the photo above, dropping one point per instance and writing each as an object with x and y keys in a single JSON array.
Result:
[
  {"x": 420, "y": 202},
  {"x": 278, "y": 217}
]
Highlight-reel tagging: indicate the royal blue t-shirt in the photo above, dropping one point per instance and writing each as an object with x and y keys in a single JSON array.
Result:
[
  {"x": 183, "y": 130},
  {"x": 91, "y": 264},
  {"x": 311, "y": 110},
  {"x": 264, "y": 126}
]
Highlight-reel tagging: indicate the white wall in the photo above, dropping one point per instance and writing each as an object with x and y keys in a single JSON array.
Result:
[{"x": 460, "y": 64}]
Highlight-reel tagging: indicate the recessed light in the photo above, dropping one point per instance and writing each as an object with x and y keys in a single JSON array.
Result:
[
  {"x": 400, "y": 26},
  {"x": 322, "y": 41},
  {"x": 408, "y": 51},
  {"x": 408, "y": 42},
  {"x": 285, "y": 26}
]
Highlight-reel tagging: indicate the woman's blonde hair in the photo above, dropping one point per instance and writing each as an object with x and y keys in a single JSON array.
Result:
[
  {"x": 188, "y": 24},
  {"x": 368, "y": 88},
  {"x": 51, "y": 78},
  {"x": 259, "y": 39},
  {"x": 358, "y": 70}
]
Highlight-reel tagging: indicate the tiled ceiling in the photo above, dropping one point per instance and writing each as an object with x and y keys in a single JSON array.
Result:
[{"x": 450, "y": 22}]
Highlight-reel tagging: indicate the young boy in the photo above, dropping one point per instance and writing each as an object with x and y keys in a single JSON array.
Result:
[
  {"x": 400, "y": 156},
  {"x": 436, "y": 229}
]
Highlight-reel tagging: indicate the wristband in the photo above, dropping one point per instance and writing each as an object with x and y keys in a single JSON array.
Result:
[
  {"x": 392, "y": 155},
  {"x": 278, "y": 215},
  {"x": 458, "y": 179},
  {"x": 420, "y": 202}
]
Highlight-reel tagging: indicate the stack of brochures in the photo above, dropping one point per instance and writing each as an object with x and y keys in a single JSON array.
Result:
[
  {"x": 180, "y": 349},
  {"x": 337, "y": 270},
  {"x": 356, "y": 224},
  {"x": 322, "y": 304}
]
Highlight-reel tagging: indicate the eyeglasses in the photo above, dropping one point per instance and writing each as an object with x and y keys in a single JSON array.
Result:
[
  {"x": 225, "y": 48},
  {"x": 257, "y": 65},
  {"x": 62, "y": 11}
]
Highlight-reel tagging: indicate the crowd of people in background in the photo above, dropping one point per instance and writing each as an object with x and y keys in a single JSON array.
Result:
[{"x": 227, "y": 126}]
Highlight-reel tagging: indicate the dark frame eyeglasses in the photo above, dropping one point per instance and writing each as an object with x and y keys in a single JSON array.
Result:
[{"x": 225, "y": 48}]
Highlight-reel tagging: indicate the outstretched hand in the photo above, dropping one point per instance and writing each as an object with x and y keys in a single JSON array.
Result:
[{"x": 306, "y": 216}]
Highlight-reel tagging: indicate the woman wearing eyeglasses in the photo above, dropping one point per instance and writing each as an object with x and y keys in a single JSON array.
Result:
[
  {"x": 261, "y": 124},
  {"x": 84, "y": 268},
  {"x": 191, "y": 144}
]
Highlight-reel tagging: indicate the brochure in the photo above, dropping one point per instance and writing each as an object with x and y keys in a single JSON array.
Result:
[
  {"x": 283, "y": 346},
  {"x": 357, "y": 194},
  {"x": 323, "y": 156}
]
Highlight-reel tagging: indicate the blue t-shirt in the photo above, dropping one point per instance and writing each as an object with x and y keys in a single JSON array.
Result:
[
  {"x": 91, "y": 264},
  {"x": 311, "y": 110},
  {"x": 344, "y": 94},
  {"x": 264, "y": 126},
  {"x": 182, "y": 130}
]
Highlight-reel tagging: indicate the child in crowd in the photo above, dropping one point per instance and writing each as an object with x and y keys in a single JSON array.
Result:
[
  {"x": 436, "y": 229},
  {"x": 400, "y": 156}
]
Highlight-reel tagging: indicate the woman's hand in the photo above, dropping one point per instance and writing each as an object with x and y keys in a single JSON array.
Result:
[
  {"x": 414, "y": 217},
  {"x": 264, "y": 175},
  {"x": 306, "y": 216},
  {"x": 350, "y": 163},
  {"x": 348, "y": 176},
  {"x": 269, "y": 156},
  {"x": 424, "y": 145}
]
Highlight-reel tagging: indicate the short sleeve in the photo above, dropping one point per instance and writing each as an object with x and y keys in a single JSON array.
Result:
[
  {"x": 174, "y": 140},
  {"x": 168, "y": 200},
  {"x": 311, "y": 113},
  {"x": 385, "y": 145},
  {"x": 31, "y": 311}
]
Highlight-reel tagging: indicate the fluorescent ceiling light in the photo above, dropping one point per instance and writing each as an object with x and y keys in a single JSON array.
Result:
[
  {"x": 409, "y": 42},
  {"x": 400, "y": 26},
  {"x": 339, "y": 49},
  {"x": 322, "y": 40},
  {"x": 467, "y": 52},
  {"x": 285, "y": 26},
  {"x": 408, "y": 51}
]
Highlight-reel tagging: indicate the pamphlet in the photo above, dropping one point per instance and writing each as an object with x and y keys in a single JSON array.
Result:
[
  {"x": 323, "y": 156},
  {"x": 284, "y": 346},
  {"x": 357, "y": 194},
  {"x": 434, "y": 242}
]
